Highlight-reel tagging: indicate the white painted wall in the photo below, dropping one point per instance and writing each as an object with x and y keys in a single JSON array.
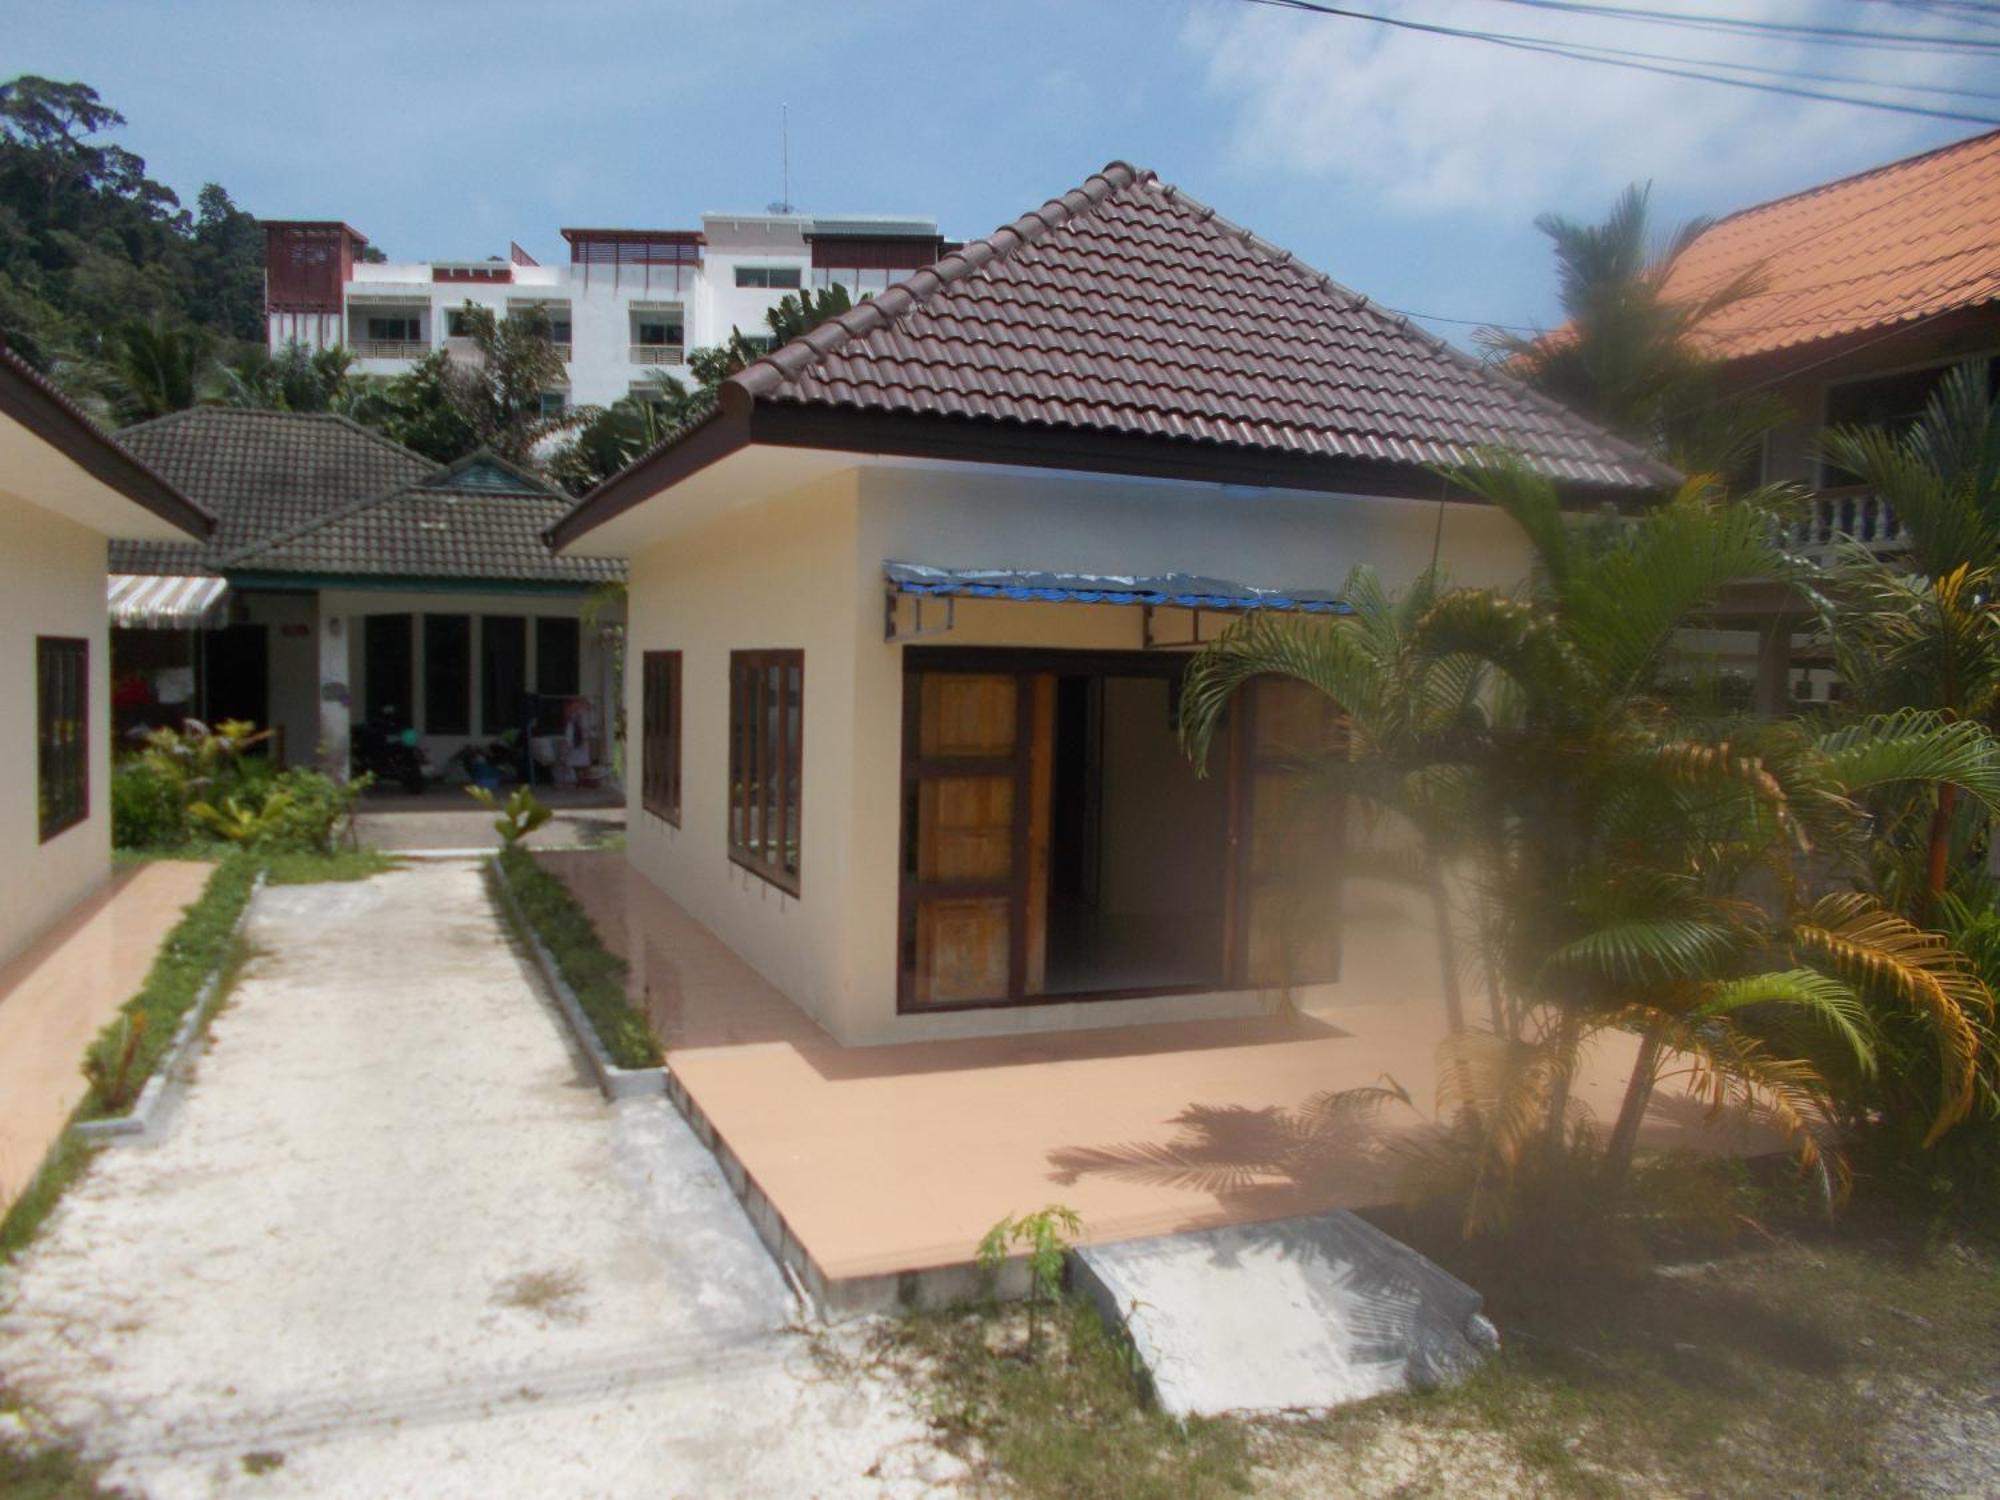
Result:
[
  {"x": 51, "y": 583},
  {"x": 346, "y": 654},
  {"x": 803, "y": 568}
]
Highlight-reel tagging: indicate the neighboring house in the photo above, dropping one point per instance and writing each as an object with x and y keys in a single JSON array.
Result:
[
  {"x": 64, "y": 488},
  {"x": 350, "y": 580},
  {"x": 1868, "y": 290},
  {"x": 904, "y": 614},
  {"x": 629, "y": 303}
]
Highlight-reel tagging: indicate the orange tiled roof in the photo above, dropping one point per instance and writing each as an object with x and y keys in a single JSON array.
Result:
[{"x": 1902, "y": 242}]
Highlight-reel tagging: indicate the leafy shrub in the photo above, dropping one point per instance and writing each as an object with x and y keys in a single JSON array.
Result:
[
  {"x": 297, "y": 811},
  {"x": 521, "y": 815},
  {"x": 146, "y": 807}
]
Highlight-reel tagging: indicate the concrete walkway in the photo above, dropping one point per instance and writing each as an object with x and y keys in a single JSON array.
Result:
[{"x": 394, "y": 1244}]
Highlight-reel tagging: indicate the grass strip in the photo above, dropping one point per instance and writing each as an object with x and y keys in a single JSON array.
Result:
[
  {"x": 593, "y": 972},
  {"x": 197, "y": 947},
  {"x": 68, "y": 1159},
  {"x": 299, "y": 867}
]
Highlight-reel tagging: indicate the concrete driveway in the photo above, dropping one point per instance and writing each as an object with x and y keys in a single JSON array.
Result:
[{"x": 394, "y": 1244}]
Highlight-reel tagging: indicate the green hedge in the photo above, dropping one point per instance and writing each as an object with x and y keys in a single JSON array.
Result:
[
  {"x": 596, "y": 975},
  {"x": 196, "y": 948}
]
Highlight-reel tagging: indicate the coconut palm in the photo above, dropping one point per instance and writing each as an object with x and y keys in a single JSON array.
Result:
[
  {"x": 1641, "y": 872},
  {"x": 150, "y": 368},
  {"x": 1627, "y": 353}
]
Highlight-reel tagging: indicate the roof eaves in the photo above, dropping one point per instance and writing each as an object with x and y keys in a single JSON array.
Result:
[{"x": 31, "y": 399}]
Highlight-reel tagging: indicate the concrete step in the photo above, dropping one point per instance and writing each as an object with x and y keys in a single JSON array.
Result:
[{"x": 1296, "y": 1314}]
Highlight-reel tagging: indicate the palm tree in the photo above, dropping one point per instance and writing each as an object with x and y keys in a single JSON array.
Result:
[
  {"x": 1922, "y": 631},
  {"x": 1641, "y": 871},
  {"x": 1627, "y": 354},
  {"x": 147, "y": 369}
]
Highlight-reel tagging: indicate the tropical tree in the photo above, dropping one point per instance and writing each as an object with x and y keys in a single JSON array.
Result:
[
  {"x": 1641, "y": 871},
  {"x": 447, "y": 406},
  {"x": 294, "y": 379},
  {"x": 630, "y": 426},
  {"x": 1920, "y": 629},
  {"x": 1628, "y": 353},
  {"x": 152, "y": 367}
]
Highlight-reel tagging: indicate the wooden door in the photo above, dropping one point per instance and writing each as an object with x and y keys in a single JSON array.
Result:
[
  {"x": 974, "y": 818},
  {"x": 1289, "y": 835}
]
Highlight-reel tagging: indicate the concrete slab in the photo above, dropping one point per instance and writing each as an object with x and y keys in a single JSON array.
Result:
[{"x": 1292, "y": 1315}]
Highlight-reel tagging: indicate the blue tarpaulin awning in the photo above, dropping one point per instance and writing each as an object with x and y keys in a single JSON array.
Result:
[{"x": 1175, "y": 590}]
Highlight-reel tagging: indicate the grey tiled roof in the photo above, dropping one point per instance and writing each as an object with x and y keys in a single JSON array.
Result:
[
  {"x": 445, "y": 526},
  {"x": 312, "y": 493},
  {"x": 1126, "y": 307}
]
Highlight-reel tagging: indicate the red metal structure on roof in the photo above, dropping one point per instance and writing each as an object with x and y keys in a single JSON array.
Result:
[
  {"x": 306, "y": 262},
  {"x": 669, "y": 253}
]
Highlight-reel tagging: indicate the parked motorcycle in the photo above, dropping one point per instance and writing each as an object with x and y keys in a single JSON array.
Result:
[{"x": 389, "y": 752}]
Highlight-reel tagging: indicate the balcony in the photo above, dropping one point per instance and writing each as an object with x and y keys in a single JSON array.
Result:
[
  {"x": 1851, "y": 513},
  {"x": 659, "y": 354},
  {"x": 390, "y": 349}
]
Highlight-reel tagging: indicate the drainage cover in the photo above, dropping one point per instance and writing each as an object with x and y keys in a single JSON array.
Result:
[{"x": 1296, "y": 1314}]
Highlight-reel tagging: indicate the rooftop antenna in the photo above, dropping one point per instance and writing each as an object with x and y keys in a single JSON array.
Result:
[{"x": 784, "y": 203}]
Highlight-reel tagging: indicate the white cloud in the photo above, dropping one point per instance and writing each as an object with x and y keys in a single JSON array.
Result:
[{"x": 1434, "y": 124}]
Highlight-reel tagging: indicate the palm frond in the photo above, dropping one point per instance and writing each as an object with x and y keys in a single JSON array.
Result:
[
  {"x": 1823, "y": 998},
  {"x": 1914, "y": 747},
  {"x": 1651, "y": 948},
  {"x": 1872, "y": 945}
]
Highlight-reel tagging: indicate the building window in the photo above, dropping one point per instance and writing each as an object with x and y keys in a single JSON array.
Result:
[
  {"x": 1895, "y": 403},
  {"x": 447, "y": 674},
  {"x": 771, "y": 276},
  {"x": 62, "y": 732},
  {"x": 388, "y": 663},
  {"x": 766, "y": 697},
  {"x": 395, "y": 330},
  {"x": 558, "y": 652},
  {"x": 457, "y": 325},
  {"x": 660, "y": 742},
  {"x": 552, "y": 404},
  {"x": 503, "y": 672},
  {"x": 650, "y": 332}
]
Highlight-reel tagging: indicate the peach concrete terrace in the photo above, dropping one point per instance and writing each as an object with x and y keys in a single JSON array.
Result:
[
  {"x": 899, "y": 1158},
  {"x": 58, "y": 994}
]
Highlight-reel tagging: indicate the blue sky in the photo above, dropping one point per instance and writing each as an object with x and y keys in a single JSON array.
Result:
[{"x": 1411, "y": 168}]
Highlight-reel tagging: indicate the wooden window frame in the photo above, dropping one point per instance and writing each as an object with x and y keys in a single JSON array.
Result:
[
  {"x": 62, "y": 682},
  {"x": 778, "y": 772},
  {"x": 1234, "y": 747},
  {"x": 660, "y": 735}
]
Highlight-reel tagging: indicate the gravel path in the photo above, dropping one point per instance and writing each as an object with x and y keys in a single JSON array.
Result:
[{"x": 393, "y": 1243}]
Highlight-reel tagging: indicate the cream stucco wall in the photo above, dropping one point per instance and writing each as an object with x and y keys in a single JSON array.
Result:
[
  {"x": 773, "y": 574},
  {"x": 801, "y": 567},
  {"x": 51, "y": 583}
]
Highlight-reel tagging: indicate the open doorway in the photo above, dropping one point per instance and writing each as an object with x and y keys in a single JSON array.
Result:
[
  {"x": 1137, "y": 844},
  {"x": 1058, "y": 845}
]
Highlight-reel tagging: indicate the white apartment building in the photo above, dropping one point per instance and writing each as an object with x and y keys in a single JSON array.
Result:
[{"x": 628, "y": 303}]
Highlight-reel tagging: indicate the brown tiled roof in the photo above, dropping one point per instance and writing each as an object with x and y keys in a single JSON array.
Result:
[
  {"x": 262, "y": 473},
  {"x": 30, "y": 399},
  {"x": 1126, "y": 307},
  {"x": 1900, "y": 243}
]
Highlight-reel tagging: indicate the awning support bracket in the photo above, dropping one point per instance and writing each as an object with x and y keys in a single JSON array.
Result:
[
  {"x": 893, "y": 635},
  {"x": 1154, "y": 643}
]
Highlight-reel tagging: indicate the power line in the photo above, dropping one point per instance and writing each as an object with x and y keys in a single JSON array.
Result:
[
  {"x": 1794, "y": 30},
  {"x": 1569, "y": 52}
]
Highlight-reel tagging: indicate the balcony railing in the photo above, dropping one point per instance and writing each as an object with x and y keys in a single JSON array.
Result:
[
  {"x": 390, "y": 349},
  {"x": 658, "y": 354},
  {"x": 1853, "y": 513}
]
